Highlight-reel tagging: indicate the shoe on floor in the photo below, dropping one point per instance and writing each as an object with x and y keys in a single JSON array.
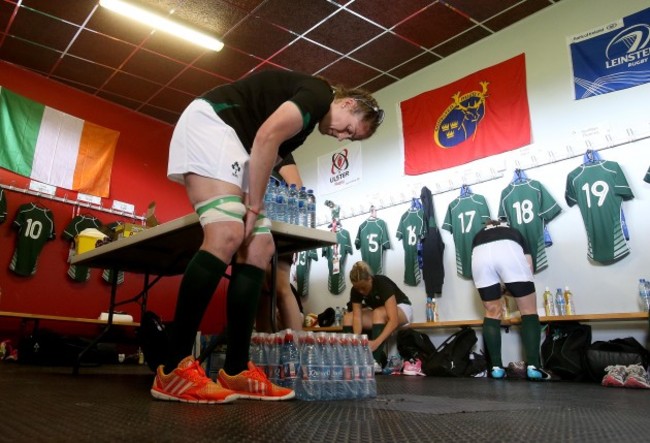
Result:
[
  {"x": 188, "y": 383},
  {"x": 637, "y": 377},
  {"x": 253, "y": 384},
  {"x": 534, "y": 373},
  {"x": 615, "y": 376},
  {"x": 497, "y": 372},
  {"x": 378, "y": 368},
  {"x": 413, "y": 367}
]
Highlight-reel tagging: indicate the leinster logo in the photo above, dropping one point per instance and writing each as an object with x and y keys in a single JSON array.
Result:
[
  {"x": 629, "y": 47},
  {"x": 460, "y": 121}
]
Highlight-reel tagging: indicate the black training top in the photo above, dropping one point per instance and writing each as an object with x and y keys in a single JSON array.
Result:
[
  {"x": 246, "y": 104},
  {"x": 501, "y": 232},
  {"x": 382, "y": 289}
]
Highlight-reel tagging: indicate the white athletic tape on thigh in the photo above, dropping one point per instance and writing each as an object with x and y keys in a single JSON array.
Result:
[
  {"x": 262, "y": 225},
  {"x": 221, "y": 209}
]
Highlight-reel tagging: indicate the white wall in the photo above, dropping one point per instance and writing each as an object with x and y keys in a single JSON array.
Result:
[{"x": 555, "y": 117}]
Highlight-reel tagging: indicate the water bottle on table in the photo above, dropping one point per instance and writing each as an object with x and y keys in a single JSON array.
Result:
[
  {"x": 302, "y": 207},
  {"x": 311, "y": 208},
  {"x": 292, "y": 205}
]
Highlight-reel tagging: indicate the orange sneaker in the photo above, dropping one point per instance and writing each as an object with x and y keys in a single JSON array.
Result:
[
  {"x": 188, "y": 383},
  {"x": 254, "y": 385}
]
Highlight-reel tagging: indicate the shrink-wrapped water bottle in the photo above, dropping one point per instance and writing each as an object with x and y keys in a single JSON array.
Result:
[
  {"x": 337, "y": 385},
  {"x": 311, "y": 208},
  {"x": 256, "y": 351},
  {"x": 273, "y": 358},
  {"x": 350, "y": 380},
  {"x": 289, "y": 359},
  {"x": 309, "y": 385},
  {"x": 369, "y": 384},
  {"x": 326, "y": 357}
]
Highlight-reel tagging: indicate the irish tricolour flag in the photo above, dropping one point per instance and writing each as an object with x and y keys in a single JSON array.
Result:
[{"x": 55, "y": 148}]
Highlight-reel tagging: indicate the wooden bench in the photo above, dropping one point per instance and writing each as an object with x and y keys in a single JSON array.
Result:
[
  {"x": 589, "y": 318},
  {"x": 36, "y": 318}
]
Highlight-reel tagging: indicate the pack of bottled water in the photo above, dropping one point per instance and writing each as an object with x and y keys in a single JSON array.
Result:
[
  {"x": 290, "y": 204},
  {"x": 317, "y": 365}
]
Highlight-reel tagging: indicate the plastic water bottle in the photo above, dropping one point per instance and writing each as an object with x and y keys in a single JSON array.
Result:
[
  {"x": 560, "y": 305},
  {"x": 429, "y": 309},
  {"x": 644, "y": 295},
  {"x": 338, "y": 316},
  {"x": 568, "y": 301},
  {"x": 310, "y": 377},
  {"x": 281, "y": 196},
  {"x": 256, "y": 351},
  {"x": 273, "y": 358},
  {"x": 269, "y": 198},
  {"x": 290, "y": 360},
  {"x": 302, "y": 207},
  {"x": 368, "y": 382},
  {"x": 349, "y": 376},
  {"x": 325, "y": 356},
  {"x": 355, "y": 355},
  {"x": 311, "y": 208},
  {"x": 549, "y": 304},
  {"x": 337, "y": 388},
  {"x": 292, "y": 205}
]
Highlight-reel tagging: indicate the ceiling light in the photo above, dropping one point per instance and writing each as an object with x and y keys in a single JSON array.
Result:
[{"x": 162, "y": 23}]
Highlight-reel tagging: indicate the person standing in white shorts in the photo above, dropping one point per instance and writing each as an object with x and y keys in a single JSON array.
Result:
[
  {"x": 500, "y": 255},
  {"x": 222, "y": 150}
]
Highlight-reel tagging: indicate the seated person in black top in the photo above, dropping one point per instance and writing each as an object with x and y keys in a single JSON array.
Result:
[{"x": 387, "y": 308}]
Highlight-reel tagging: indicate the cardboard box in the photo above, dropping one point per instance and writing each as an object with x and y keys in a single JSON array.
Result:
[{"x": 128, "y": 229}]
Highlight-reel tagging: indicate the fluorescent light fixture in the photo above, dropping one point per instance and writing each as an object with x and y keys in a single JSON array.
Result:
[{"x": 162, "y": 23}]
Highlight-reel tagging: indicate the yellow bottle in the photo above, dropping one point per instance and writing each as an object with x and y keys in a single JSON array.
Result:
[
  {"x": 549, "y": 305},
  {"x": 568, "y": 301}
]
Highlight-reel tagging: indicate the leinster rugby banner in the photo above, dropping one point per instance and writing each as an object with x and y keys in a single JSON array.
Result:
[
  {"x": 611, "y": 57},
  {"x": 483, "y": 114},
  {"x": 339, "y": 169}
]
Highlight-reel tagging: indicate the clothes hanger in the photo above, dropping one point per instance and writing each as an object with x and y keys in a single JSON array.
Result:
[
  {"x": 373, "y": 212},
  {"x": 519, "y": 177},
  {"x": 591, "y": 157},
  {"x": 465, "y": 191}
]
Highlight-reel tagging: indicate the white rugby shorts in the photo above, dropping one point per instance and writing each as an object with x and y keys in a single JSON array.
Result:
[
  {"x": 499, "y": 261},
  {"x": 204, "y": 145},
  {"x": 408, "y": 312}
]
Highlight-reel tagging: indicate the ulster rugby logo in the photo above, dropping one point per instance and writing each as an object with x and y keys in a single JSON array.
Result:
[
  {"x": 461, "y": 120},
  {"x": 340, "y": 166}
]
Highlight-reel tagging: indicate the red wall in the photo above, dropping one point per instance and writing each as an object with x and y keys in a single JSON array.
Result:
[{"x": 138, "y": 177}]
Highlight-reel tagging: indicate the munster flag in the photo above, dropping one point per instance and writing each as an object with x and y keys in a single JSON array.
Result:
[{"x": 483, "y": 114}]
